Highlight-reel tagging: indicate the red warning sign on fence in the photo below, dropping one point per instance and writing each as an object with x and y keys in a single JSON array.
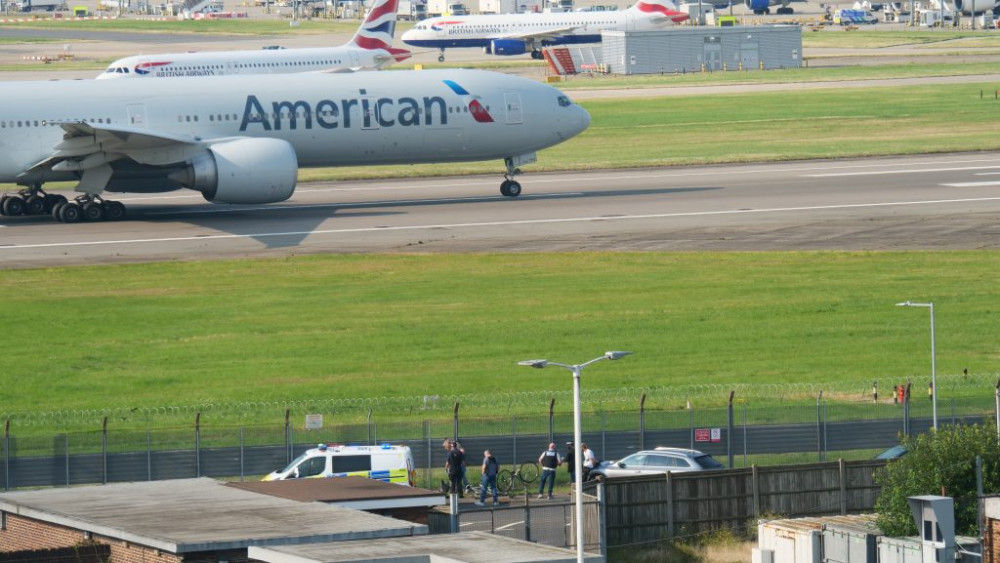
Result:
[{"x": 702, "y": 434}]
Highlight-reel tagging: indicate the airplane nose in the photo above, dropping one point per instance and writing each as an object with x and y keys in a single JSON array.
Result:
[{"x": 584, "y": 119}]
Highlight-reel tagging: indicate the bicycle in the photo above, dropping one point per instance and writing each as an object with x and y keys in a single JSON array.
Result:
[{"x": 527, "y": 473}]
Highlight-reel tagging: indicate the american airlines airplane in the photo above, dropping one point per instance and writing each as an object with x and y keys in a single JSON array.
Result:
[
  {"x": 241, "y": 140},
  {"x": 370, "y": 48},
  {"x": 516, "y": 34}
]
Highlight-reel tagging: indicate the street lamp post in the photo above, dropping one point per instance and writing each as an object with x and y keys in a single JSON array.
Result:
[
  {"x": 577, "y": 432},
  {"x": 934, "y": 387}
]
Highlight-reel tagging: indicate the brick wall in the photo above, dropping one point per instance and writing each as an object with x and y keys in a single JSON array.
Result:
[
  {"x": 991, "y": 541},
  {"x": 22, "y": 534}
]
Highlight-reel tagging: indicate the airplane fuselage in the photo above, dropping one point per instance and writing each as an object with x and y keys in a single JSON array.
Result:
[{"x": 328, "y": 119}]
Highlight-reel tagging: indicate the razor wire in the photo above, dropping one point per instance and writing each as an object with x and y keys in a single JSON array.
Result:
[{"x": 674, "y": 397}]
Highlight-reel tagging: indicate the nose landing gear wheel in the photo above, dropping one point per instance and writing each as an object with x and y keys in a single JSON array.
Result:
[{"x": 510, "y": 188}]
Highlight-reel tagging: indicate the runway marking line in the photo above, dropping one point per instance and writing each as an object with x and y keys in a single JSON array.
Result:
[
  {"x": 910, "y": 171},
  {"x": 202, "y": 238}
]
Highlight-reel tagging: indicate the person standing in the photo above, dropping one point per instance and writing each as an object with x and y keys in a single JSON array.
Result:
[
  {"x": 589, "y": 460},
  {"x": 570, "y": 460},
  {"x": 453, "y": 465},
  {"x": 488, "y": 481},
  {"x": 549, "y": 460},
  {"x": 465, "y": 480}
]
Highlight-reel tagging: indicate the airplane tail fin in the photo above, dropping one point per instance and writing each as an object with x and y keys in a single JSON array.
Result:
[
  {"x": 378, "y": 30},
  {"x": 659, "y": 10}
]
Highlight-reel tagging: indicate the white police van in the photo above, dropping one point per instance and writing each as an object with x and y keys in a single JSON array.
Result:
[{"x": 392, "y": 464}]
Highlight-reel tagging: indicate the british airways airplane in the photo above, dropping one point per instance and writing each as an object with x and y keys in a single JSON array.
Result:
[
  {"x": 245, "y": 138},
  {"x": 370, "y": 48},
  {"x": 516, "y": 34}
]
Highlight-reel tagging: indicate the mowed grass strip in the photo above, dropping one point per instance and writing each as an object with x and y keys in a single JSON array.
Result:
[{"x": 324, "y": 327}]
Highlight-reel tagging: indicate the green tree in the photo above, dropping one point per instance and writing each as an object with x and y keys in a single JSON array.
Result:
[{"x": 938, "y": 463}]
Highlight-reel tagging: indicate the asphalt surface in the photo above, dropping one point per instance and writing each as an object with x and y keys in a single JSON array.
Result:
[{"x": 945, "y": 202}]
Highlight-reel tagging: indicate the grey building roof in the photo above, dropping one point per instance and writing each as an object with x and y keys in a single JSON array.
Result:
[
  {"x": 468, "y": 547},
  {"x": 351, "y": 492},
  {"x": 188, "y": 515}
]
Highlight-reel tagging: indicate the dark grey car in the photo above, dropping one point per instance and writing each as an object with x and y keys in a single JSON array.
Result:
[{"x": 658, "y": 461}]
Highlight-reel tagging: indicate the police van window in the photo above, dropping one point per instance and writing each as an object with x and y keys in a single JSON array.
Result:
[
  {"x": 350, "y": 463},
  {"x": 312, "y": 467}
]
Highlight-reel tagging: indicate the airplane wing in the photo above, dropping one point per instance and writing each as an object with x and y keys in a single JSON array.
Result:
[
  {"x": 88, "y": 148},
  {"x": 542, "y": 34}
]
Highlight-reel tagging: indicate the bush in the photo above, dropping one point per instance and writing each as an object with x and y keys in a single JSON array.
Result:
[{"x": 941, "y": 463}]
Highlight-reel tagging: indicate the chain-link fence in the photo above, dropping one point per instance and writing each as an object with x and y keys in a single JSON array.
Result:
[{"x": 739, "y": 434}]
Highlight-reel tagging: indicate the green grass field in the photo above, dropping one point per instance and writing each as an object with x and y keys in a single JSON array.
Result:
[{"x": 372, "y": 326}]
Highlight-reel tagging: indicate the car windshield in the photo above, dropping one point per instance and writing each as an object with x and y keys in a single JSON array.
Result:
[
  {"x": 294, "y": 463},
  {"x": 708, "y": 462}
]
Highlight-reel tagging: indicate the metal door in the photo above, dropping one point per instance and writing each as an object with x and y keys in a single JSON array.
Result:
[
  {"x": 512, "y": 103},
  {"x": 136, "y": 115},
  {"x": 713, "y": 56}
]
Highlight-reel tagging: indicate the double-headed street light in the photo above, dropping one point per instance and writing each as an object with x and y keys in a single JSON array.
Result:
[
  {"x": 577, "y": 439},
  {"x": 934, "y": 387}
]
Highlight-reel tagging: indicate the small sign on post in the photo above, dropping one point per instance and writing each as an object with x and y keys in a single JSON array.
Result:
[{"x": 314, "y": 422}]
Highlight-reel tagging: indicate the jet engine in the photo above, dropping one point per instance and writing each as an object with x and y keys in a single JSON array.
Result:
[
  {"x": 758, "y": 6},
  {"x": 972, "y": 7},
  {"x": 508, "y": 47},
  {"x": 248, "y": 171}
]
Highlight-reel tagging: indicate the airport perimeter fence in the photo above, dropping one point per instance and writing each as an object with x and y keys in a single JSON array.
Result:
[{"x": 737, "y": 434}]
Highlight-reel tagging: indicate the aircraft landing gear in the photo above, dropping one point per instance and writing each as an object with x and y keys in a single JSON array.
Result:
[
  {"x": 29, "y": 201},
  {"x": 441, "y": 56},
  {"x": 537, "y": 55},
  {"x": 509, "y": 187},
  {"x": 88, "y": 207}
]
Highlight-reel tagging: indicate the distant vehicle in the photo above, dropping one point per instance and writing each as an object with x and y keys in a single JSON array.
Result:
[
  {"x": 411, "y": 10},
  {"x": 517, "y": 34},
  {"x": 853, "y": 17},
  {"x": 653, "y": 462},
  {"x": 41, "y": 5},
  {"x": 391, "y": 464},
  {"x": 370, "y": 48},
  {"x": 894, "y": 452}
]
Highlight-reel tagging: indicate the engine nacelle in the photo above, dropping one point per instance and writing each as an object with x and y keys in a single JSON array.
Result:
[
  {"x": 508, "y": 47},
  {"x": 972, "y": 7},
  {"x": 758, "y": 6},
  {"x": 248, "y": 171}
]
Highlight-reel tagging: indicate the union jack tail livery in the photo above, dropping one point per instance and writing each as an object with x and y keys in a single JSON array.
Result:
[{"x": 378, "y": 29}]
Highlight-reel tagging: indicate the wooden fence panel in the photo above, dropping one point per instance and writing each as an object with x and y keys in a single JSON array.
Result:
[{"x": 652, "y": 508}]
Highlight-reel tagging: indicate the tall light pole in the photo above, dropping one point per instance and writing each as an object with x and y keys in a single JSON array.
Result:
[
  {"x": 934, "y": 387},
  {"x": 577, "y": 439}
]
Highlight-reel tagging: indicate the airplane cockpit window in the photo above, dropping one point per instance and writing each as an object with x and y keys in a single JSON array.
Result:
[{"x": 564, "y": 101}]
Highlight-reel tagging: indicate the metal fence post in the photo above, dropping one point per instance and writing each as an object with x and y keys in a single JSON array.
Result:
[
  {"x": 729, "y": 429},
  {"x": 454, "y": 435},
  {"x": 690, "y": 423},
  {"x": 368, "y": 425},
  {"x": 819, "y": 430},
  {"x": 197, "y": 444},
  {"x": 513, "y": 438},
  {"x": 66, "y": 453},
  {"x": 104, "y": 450},
  {"x": 552, "y": 406},
  {"x": 288, "y": 436},
  {"x": 745, "y": 459},
  {"x": 242, "y": 454},
  {"x": 642, "y": 422},
  {"x": 6, "y": 452},
  {"x": 149, "y": 456}
]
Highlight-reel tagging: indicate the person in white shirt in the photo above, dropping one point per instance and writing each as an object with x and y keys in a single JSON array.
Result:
[
  {"x": 549, "y": 460},
  {"x": 589, "y": 460}
]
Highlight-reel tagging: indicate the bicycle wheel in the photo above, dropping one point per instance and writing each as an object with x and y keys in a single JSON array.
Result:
[
  {"x": 528, "y": 472},
  {"x": 505, "y": 480}
]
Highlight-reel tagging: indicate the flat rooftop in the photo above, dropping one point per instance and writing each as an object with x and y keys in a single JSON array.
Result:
[
  {"x": 467, "y": 547},
  {"x": 351, "y": 492},
  {"x": 188, "y": 515}
]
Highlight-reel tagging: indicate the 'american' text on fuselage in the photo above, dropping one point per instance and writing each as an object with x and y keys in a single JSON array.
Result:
[{"x": 330, "y": 114}]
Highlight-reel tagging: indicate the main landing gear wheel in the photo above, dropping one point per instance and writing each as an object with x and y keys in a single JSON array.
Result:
[
  {"x": 441, "y": 56},
  {"x": 89, "y": 208},
  {"x": 29, "y": 201},
  {"x": 510, "y": 188},
  {"x": 537, "y": 55}
]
